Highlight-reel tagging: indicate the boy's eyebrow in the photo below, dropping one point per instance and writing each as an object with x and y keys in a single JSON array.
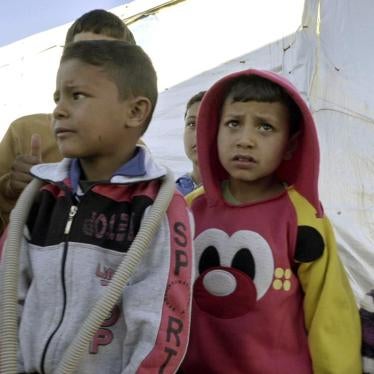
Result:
[
  {"x": 266, "y": 116},
  {"x": 231, "y": 115},
  {"x": 71, "y": 85},
  {"x": 262, "y": 115}
]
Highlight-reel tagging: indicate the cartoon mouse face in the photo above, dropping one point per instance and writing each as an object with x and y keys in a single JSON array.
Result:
[{"x": 234, "y": 272}]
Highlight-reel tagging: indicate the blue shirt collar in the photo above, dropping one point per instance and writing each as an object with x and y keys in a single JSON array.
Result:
[{"x": 135, "y": 167}]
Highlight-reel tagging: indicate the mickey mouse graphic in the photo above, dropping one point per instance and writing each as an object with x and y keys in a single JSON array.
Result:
[{"x": 232, "y": 276}]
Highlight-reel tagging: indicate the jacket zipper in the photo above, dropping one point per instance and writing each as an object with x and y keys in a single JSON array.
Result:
[{"x": 72, "y": 213}]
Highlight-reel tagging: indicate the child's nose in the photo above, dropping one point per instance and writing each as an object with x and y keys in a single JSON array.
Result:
[
  {"x": 247, "y": 137},
  {"x": 60, "y": 110}
]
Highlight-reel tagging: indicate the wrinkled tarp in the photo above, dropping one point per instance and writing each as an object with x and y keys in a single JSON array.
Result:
[{"x": 330, "y": 61}]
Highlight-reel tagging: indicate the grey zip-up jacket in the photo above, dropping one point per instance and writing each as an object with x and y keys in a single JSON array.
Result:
[{"x": 66, "y": 267}]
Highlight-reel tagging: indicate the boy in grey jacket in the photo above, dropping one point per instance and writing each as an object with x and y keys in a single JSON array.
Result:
[{"x": 86, "y": 215}]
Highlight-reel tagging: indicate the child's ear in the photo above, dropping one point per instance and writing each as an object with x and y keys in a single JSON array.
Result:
[
  {"x": 292, "y": 146},
  {"x": 138, "y": 111}
]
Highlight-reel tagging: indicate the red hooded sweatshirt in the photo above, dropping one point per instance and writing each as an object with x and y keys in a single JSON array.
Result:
[{"x": 271, "y": 295}]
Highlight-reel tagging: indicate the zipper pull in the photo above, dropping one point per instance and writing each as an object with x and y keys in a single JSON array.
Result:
[{"x": 72, "y": 213}]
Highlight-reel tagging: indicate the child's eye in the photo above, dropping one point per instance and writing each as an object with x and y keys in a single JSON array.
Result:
[
  {"x": 56, "y": 98},
  {"x": 232, "y": 124},
  {"x": 191, "y": 124},
  {"x": 266, "y": 127},
  {"x": 78, "y": 95}
]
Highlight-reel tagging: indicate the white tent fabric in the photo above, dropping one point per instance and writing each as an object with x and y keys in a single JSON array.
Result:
[
  {"x": 341, "y": 91},
  {"x": 329, "y": 61},
  {"x": 182, "y": 37}
]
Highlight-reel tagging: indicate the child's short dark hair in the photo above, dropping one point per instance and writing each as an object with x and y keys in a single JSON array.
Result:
[
  {"x": 128, "y": 66},
  {"x": 255, "y": 88},
  {"x": 99, "y": 21},
  {"x": 194, "y": 99}
]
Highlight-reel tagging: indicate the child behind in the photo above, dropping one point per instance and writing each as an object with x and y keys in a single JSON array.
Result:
[
  {"x": 86, "y": 216},
  {"x": 271, "y": 295},
  {"x": 190, "y": 181}
]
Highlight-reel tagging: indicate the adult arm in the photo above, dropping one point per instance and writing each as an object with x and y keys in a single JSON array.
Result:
[
  {"x": 19, "y": 151},
  {"x": 17, "y": 178}
]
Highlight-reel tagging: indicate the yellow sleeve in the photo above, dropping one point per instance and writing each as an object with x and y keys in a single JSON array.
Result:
[
  {"x": 331, "y": 313},
  {"x": 194, "y": 194}
]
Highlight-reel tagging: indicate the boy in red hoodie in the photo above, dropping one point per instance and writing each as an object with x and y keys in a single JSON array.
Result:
[{"x": 271, "y": 295}]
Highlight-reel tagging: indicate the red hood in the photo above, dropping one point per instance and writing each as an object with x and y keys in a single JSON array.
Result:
[{"x": 301, "y": 171}]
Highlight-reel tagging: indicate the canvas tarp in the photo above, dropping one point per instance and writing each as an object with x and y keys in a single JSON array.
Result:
[{"x": 329, "y": 60}]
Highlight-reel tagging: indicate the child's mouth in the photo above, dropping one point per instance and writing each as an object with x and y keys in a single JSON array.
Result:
[
  {"x": 62, "y": 131},
  {"x": 244, "y": 159}
]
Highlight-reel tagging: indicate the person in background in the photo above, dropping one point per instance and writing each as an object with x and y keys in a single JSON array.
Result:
[
  {"x": 190, "y": 181},
  {"x": 86, "y": 215},
  {"x": 271, "y": 294},
  {"x": 29, "y": 140}
]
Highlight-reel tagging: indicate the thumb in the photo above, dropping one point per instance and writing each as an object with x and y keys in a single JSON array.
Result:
[{"x": 36, "y": 146}]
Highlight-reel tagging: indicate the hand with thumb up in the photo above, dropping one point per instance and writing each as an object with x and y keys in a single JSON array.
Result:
[{"x": 20, "y": 174}]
